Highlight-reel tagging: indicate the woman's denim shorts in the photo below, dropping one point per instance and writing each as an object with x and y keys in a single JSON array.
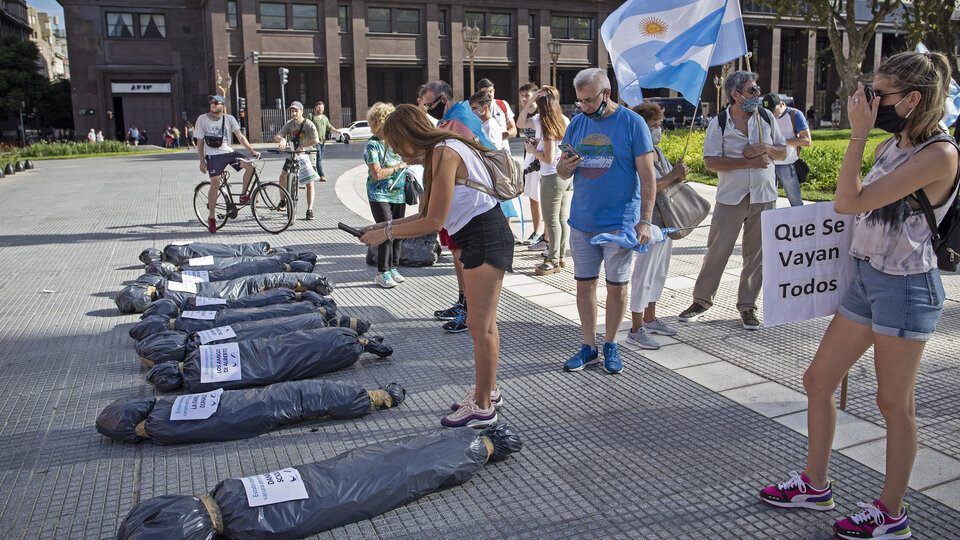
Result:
[{"x": 899, "y": 306}]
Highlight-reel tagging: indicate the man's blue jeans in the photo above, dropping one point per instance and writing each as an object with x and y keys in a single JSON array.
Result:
[
  {"x": 787, "y": 176},
  {"x": 319, "y": 163}
]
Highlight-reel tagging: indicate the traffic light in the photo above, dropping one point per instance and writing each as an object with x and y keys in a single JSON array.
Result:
[
  {"x": 255, "y": 56},
  {"x": 284, "y": 72},
  {"x": 243, "y": 104}
]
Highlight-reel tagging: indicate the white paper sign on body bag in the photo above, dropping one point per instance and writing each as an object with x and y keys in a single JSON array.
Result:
[
  {"x": 807, "y": 267},
  {"x": 274, "y": 487},
  {"x": 196, "y": 406},
  {"x": 220, "y": 363}
]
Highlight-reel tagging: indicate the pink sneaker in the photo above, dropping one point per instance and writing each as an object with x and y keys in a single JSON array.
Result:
[
  {"x": 798, "y": 493},
  {"x": 212, "y": 225},
  {"x": 873, "y": 522}
]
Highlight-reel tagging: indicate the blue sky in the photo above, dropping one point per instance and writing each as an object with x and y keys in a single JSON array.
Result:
[{"x": 48, "y": 6}]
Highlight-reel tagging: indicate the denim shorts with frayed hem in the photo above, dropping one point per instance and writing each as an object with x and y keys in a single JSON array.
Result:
[
  {"x": 617, "y": 262},
  {"x": 898, "y": 306}
]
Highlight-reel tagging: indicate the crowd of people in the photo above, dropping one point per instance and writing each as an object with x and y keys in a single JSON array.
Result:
[{"x": 599, "y": 174}]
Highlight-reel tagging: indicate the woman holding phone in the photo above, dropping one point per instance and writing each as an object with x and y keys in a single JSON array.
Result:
[{"x": 475, "y": 222}]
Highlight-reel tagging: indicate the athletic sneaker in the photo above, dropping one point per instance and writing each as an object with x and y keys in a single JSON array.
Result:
[
  {"x": 642, "y": 338},
  {"x": 798, "y": 493},
  {"x": 749, "y": 318},
  {"x": 309, "y": 214},
  {"x": 212, "y": 225},
  {"x": 495, "y": 399},
  {"x": 611, "y": 358},
  {"x": 396, "y": 276},
  {"x": 585, "y": 356},
  {"x": 533, "y": 238},
  {"x": 457, "y": 325},
  {"x": 539, "y": 246},
  {"x": 693, "y": 312},
  {"x": 657, "y": 326},
  {"x": 323, "y": 178},
  {"x": 385, "y": 280},
  {"x": 873, "y": 522},
  {"x": 244, "y": 199},
  {"x": 469, "y": 414},
  {"x": 450, "y": 313}
]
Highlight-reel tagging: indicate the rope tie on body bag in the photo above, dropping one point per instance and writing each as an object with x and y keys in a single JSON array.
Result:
[{"x": 214, "y": 511}]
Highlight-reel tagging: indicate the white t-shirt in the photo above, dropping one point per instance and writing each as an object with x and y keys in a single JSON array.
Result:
[
  {"x": 550, "y": 168},
  {"x": 208, "y": 126},
  {"x": 786, "y": 127},
  {"x": 499, "y": 116},
  {"x": 493, "y": 131},
  {"x": 468, "y": 202}
]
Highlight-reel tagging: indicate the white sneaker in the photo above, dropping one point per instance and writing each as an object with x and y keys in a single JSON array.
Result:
[
  {"x": 657, "y": 326},
  {"x": 385, "y": 280},
  {"x": 546, "y": 252},
  {"x": 495, "y": 399},
  {"x": 396, "y": 276},
  {"x": 539, "y": 246},
  {"x": 642, "y": 339}
]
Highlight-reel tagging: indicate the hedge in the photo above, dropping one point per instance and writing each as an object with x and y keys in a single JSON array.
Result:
[{"x": 45, "y": 149}]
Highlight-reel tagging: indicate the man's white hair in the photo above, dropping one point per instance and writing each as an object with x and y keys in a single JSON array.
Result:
[{"x": 594, "y": 77}]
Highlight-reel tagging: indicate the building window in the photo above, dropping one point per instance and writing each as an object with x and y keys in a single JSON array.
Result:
[
  {"x": 787, "y": 63},
  {"x": 474, "y": 19},
  {"x": 378, "y": 19},
  {"x": 273, "y": 15},
  {"x": 232, "y": 14},
  {"x": 342, "y": 19},
  {"x": 571, "y": 27},
  {"x": 120, "y": 25},
  {"x": 490, "y": 24},
  {"x": 303, "y": 87},
  {"x": 408, "y": 21},
  {"x": 152, "y": 25},
  {"x": 532, "y": 25},
  {"x": 442, "y": 22},
  {"x": 304, "y": 17}
]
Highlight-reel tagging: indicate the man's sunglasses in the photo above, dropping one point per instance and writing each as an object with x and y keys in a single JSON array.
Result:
[
  {"x": 215, "y": 102},
  {"x": 753, "y": 91}
]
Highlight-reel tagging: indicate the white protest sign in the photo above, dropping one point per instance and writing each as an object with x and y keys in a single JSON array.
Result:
[
  {"x": 220, "y": 363},
  {"x": 188, "y": 286},
  {"x": 181, "y": 243},
  {"x": 202, "y": 315},
  {"x": 196, "y": 406},
  {"x": 219, "y": 333},
  {"x": 274, "y": 487},
  {"x": 195, "y": 276},
  {"x": 807, "y": 267},
  {"x": 205, "y": 301},
  {"x": 200, "y": 261}
]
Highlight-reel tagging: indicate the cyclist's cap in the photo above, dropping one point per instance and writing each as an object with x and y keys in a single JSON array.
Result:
[
  {"x": 296, "y": 105},
  {"x": 770, "y": 101},
  {"x": 218, "y": 98}
]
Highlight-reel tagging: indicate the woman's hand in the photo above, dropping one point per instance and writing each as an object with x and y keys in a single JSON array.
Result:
[
  {"x": 374, "y": 237},
  {"x": 861, "y": 113},
  {"x": 680, "y": 170},
  {"x": 531, "y": 146}
]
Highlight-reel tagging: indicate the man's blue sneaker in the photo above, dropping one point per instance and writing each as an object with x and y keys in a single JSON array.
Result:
[
  {"x": 611, "y": 359},
  {"x": 585, "y": 356}
]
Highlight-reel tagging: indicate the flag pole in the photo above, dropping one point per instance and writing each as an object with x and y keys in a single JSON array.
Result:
[{"x": 689, "y": 133}]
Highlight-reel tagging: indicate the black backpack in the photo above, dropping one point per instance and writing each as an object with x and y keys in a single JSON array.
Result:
[
  {"x": 946, "y": 236},
  {"x": 764, "y": 113}
]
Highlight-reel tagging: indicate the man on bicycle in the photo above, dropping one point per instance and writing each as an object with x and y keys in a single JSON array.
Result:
[
  {"x": 302, "y": 134},
  {"x": 213, "y": 131}
]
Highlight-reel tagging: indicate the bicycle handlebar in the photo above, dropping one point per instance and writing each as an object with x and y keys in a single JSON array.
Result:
[{"x": 278, "y": 151}]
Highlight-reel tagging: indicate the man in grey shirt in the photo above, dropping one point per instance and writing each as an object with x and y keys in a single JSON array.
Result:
[{"x": 740, "y": 145}]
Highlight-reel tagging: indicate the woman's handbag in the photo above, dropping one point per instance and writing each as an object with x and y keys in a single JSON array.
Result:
[
  {"x": 412, "y": 190},
  {"x": 679, "y": 206}
]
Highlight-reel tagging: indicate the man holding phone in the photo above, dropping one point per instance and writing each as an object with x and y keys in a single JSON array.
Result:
[{"x": 614, "y": 186}]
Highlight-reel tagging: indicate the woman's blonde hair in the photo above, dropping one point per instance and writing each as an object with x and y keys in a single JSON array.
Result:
[
  {"x": 408, "y": 128},
  {"x": 377, "y": 115},
  {"x": 551, "y": 116},
  {"x": 649, "y": 110},
  {"x": 929, "y": 74}
]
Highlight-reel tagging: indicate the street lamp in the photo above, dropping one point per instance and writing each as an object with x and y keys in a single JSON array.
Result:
[
  {"x": 554, "y": 48},
  {"x": 718, "y": 82},
  {"x": 471, "y": 40},
  {"x": 255, "y": 57}
]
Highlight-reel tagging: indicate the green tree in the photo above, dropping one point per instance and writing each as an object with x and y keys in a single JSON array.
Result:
[
  {"x": 840, "y": 17},
  {"x": 20, "y": 82},
  {"x": 57, "y": 109},
  {"x": 929, "y": 21}
]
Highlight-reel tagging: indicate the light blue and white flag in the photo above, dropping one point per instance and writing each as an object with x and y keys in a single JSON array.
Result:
[
  {"x": 671, "y": 43},
  {"x": 952, "y": 105}
]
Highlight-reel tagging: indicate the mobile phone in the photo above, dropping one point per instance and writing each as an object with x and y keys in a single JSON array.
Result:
[
  {"x": 869, "y": 93},
  {"x": 346, "y": 228},
  {"x": 567, "y": 149}
]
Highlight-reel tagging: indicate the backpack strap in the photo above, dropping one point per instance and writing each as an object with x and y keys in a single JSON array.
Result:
[
  {"x": 722, "y": 118},
  {"x": 502, "y": 105},
  {"x": 924, "y": 201}
]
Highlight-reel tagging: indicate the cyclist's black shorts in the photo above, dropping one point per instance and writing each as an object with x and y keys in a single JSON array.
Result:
[{"x": 216, "y": 163}]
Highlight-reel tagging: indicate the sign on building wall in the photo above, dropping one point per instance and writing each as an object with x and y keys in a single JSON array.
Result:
[{"x": 140, "y": 88}]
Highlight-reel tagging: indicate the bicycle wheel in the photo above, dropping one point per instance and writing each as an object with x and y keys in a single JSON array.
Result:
[
  {"x": 200, "y": 204},
  {"x": 272, "y": 207}
]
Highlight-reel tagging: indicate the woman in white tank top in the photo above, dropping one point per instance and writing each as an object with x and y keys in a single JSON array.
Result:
[
  {"x": 475, "y": 222},
  {"x": 896, "y": 297}
]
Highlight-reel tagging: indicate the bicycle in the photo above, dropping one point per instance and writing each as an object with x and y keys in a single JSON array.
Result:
[
  {"x": 271, "y": 203},
  {"x": 292, "y": 165}
]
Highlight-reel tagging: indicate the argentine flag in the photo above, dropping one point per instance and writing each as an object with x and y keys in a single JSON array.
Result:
[{"x": 671, "y": 43}]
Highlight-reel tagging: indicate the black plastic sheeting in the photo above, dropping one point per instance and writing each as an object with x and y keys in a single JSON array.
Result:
[
  {"x": 158, "y": 323},
  {"x": 419, "y": 251},
  {"x": 173, "y": 346},
  {"x": 353, "y": 486},
  {"x": 169, "y": 309},
  {"x": 242, "y": 414},
  {"x": 290, "y": 357},
  {"x": 180, "y": 255},
  {"x": 150, "y": 255},
  {"x": 245, "y": 286}
]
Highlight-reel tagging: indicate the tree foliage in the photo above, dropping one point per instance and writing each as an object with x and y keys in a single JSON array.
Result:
[
  {"x": 20, "y": 82},
  {"x": 929, "y": 21}
]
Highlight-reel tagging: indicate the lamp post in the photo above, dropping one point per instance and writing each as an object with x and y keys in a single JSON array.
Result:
[
  {"x": 718, "y": 82},
  {"x": 554, "y": 48},
  {"x": 255, "y": 57},
  {"x": 471, "y": 40}
]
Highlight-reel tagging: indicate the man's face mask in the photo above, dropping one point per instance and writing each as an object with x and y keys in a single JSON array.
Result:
[
  {"x": 751, "y": 99},
  {"x": 437, "y": 109}
]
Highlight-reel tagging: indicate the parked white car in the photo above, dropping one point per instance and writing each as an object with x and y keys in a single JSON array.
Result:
[{"x": 357, "y": 131}]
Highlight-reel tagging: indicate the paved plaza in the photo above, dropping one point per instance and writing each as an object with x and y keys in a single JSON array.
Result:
[{"x": 674, "y": 447}]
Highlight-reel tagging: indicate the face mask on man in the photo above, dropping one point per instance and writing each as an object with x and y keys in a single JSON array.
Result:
[
  {"x": 655, "y": 135},
  {"x": 750, "y": 104},
  {"x": 598, "y": 114},
  {"x": 439, "y": 107},
  {"x": 888, "y": 119}
]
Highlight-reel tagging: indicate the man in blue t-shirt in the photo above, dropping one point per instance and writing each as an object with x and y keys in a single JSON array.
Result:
[
  {"x": 794, "y": 128},
  {"x": 614, "y": 187}
]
